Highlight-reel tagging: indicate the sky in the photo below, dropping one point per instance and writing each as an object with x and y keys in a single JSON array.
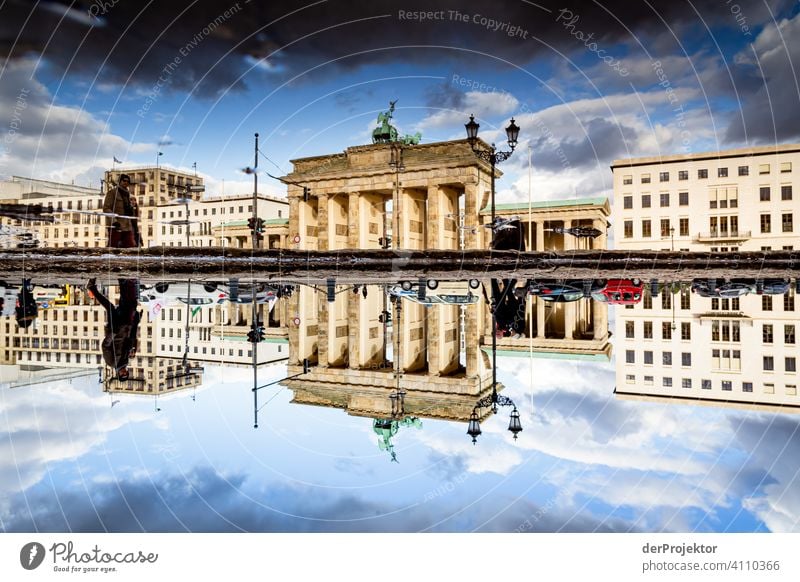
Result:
[
  {"x": 584, "y": 462},
  {"x": 82, "y": 82}
]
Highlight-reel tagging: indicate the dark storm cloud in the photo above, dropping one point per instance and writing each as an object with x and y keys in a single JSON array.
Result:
[
  {"x": 133, "y": 42},
  {"x": 205, "y": 501}
]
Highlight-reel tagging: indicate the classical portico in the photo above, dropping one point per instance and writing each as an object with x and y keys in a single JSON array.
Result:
[{"x": 349, "y": 200}]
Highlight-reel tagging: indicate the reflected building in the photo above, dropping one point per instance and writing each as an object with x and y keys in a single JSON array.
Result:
[
  {"x": 363, "y": 363},
  {"x": 576, "y": 330},
  {"x": 679, "y": 347}
]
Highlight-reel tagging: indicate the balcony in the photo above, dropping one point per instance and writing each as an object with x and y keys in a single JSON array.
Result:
[{"x": 720, "y": 235}]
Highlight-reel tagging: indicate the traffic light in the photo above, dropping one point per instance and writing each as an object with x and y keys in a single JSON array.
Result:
[
  {"x": 256, "y": 335},
  {"x": 251, "y": 223},
  {"x": 306, "y": 366},
  {"x": 306, "y": 193},
  {"x": 259, "y": 225}
]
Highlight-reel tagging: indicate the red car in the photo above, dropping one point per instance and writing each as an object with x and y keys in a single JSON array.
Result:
[{"x": 620, "y": 292}]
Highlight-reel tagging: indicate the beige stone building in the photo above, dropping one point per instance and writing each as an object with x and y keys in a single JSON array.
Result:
[
  {"x": 741, "y": 199},
  {"x": 223, "y": 221},
  {"x": 683, "y": 348},
  {"x": 74, "y": 226},
  {"x": 439, "y": 200}
]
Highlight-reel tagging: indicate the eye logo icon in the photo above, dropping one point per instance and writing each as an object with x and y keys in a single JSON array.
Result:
[{"x": 31, "y": 555}]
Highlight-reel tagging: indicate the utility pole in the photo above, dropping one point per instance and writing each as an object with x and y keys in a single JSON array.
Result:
[{"x": 255, "y": 194}]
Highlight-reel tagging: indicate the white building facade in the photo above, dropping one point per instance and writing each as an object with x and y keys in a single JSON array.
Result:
[{"x": 742, "y": 199}]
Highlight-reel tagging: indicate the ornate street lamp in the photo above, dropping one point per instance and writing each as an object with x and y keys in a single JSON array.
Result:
[{"x": 492, "y": 155}]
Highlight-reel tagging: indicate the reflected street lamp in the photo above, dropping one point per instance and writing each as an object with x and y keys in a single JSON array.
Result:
[{"x": 492, "y": 155}]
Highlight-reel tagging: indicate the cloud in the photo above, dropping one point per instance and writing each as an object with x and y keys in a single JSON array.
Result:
[
  {"x": 768, "y": 110},
  {"x": 48, "y": 140}
]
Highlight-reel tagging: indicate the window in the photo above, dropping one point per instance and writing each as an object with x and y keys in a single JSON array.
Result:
[
  {"x": 769, "y": 363},
  {"x": 769, "y": 388},
  {"x": 666, "y": 358},
  {"x": 647, "y": 301},
  {"x": 683, "y": 175},
  {"x": 664, "y": 199},
  {"x": 627, "y": 202},
  {"x": 663, "y": 176},
  {"x": 686, "y": 298},
  {"x": 715, "y": 331},
  {"x": 763, "y": 169},
  {"x": 648, "y": 330},
  {"x": 702, "y": 174},
  {"x": 786, "y": 167},
  {"x": 629, "y": 329},
  {"x": 766, "y": 333},
  {"x": 666, "y": 300},
  {"x": 630, "y": 378},
  {"x": 686, "y": 330},
  {"x": 628, "y": 226},
  {"x": 744, "y": 170},
  {"x": 766, "y": 303},
  {"x": 766, "y": 223},
  {"x": 648, "y": 380},
  {"x": 667, "y": 382},
  {"x": 645, "y": 178},
  {"x": 722, "y": 172},
  {"x": 665, "y": 227},
  {"x": 666, "y": 330},
  {"x": 648, "y": 358},
  {"x": 786, "y": 192},
  {"x": 645, "y": 200},
  {"x": 627, "y": 180},
  {"x": 727, "y": 385},
  {"x": 763, "y": 193},
  {"x": 747, "y": 386},
  {"x": 684, "y": 226},
  {"x": 787, "y": 222},
  {"x": 788, "y": 334},
  {"x": 791, "y": 364},
  {"x": 686, "y": 383},
  {"x": 630, "y": 357},
  {"x": 705, "y": 384},
  {"x": 686, "y": 359},
  {"x": 683, "y": 198},
  {"x": 647, "y": 230},
  {"x": 788, "y": 300}
]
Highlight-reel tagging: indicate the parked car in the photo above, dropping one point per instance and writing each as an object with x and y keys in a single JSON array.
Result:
[
  {"x": 773, "y": 286},
  {"x": 436, "y": 293},
  {"x": 721, "y": 288},
  {"x": 563, "y": 291},
  {"x": 183, "y": 292},
  {"x": 619, "y": 291}
]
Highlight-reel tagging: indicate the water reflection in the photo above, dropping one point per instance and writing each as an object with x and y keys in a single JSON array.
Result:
[{"x": 409, "y": 364}]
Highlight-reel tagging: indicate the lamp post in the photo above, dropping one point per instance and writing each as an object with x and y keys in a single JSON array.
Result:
[
  {"x": 494, "y": 400},
  {"x": 672, "y": 237},
  {"x": 396, "y": 163},
  {"x": 492, "y": 155}
]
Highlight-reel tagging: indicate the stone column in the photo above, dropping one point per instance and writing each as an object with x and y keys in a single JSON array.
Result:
[
  {"x": 600, "y": 319},
  {"x": 471, "y": 218},
  {"x": 433, "y": 336},
  {"x": 353, "y": 221},
  {"x": 354, "y": 331},
  {"x": 539, "y": 235},
  {"x": 569, "y": 320},
  {"x": 323, "y": 228},
  {"x": 569, "y": 240},
  {"x": 601, "y": 242},
  {"x": 294, "y": 220},
  {"x": 323, "y": 334},
  {"x": 435, "y": 218},
  {"x": 540, "y": 319},
  {"x": 293, "y": 308},
  {"x": 472, "y": 340}
]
